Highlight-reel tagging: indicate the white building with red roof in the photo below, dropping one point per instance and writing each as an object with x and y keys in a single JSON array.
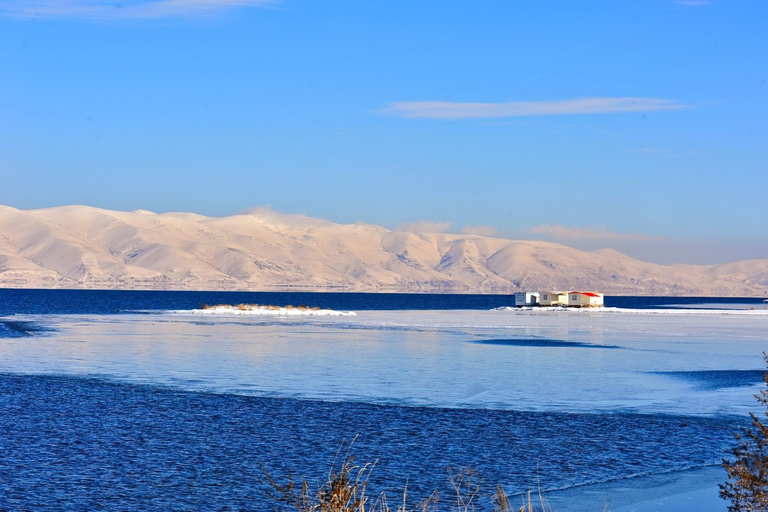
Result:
[{"x": 585, "y": 299}]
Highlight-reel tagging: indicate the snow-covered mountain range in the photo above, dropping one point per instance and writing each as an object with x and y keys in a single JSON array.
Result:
[{"x": 85, "y": 247}]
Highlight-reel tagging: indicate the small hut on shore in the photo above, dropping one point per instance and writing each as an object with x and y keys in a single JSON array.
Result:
[
  {"x": 553, "y": 299},
  {"x": 526, "y": 299},
  {"x": 585, "y": 299}
]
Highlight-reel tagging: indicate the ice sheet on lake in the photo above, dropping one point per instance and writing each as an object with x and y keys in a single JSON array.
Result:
[{"x": 589, "y": 361}]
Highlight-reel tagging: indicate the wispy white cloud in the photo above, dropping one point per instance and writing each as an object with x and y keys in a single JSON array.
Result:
[
  {"x": 458, "y": 110},
  {"x": 424, "y": 226},
  {"x": 656, "y": 249},
  {"x": 121, "y": 10},
  {"x": 559, "y": 232},
  {"x": 267, "y": 215},
  {"x": 693, "y": 3},
  {"x": 480, "y": 230}
]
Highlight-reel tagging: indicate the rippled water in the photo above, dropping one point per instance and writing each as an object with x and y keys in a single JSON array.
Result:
[
  {"x": 176, "y": 411},
  {"x": 84, "y": 444}
]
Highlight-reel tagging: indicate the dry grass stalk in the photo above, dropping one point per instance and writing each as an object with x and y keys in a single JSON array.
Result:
[
  {"x": 345, "y": 491},
  {"x": 465, "y": 484},
  {"x": 501, "y": 500}
]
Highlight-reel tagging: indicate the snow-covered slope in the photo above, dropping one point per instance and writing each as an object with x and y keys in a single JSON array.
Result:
[{"x": 84, "y": 247}]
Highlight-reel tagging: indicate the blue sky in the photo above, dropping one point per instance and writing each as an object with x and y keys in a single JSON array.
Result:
[{"x": 640, "y": 124}]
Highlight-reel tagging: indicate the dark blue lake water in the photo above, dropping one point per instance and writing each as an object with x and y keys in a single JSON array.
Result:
[
  {"x": 81, "y": 444},
  {"x": 102, "y": 302},
  {"x": 91, "y": 442}
]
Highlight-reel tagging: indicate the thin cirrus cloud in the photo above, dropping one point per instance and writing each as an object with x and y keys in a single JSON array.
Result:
[
  {"x": 559, "y": 232},
  {"x": 459, "y": 110},
  {"x": 126, "y": 10}
]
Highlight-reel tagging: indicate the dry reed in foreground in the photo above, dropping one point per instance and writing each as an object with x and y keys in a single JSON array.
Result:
[{"x": 345, "y": 490}]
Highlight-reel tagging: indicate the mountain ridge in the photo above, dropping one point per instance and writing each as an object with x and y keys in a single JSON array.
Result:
[{"x": 86, "y": 247}]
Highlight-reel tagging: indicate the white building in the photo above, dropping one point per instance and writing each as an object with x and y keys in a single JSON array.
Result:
[
  {"x": 553, "y": 299},
  {"x": 526, "y": 299}
]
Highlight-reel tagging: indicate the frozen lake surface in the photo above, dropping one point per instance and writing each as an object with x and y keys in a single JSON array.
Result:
[
  {"x": 680, "y": 362},
  {"x": 612, "y": 406}
]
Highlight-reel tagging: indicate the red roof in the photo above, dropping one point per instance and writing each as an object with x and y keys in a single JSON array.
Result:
[{"x": 590, "y": 294}]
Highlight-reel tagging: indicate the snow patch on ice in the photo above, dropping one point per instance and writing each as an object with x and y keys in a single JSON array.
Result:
[{"x": 265, "y": 311}]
